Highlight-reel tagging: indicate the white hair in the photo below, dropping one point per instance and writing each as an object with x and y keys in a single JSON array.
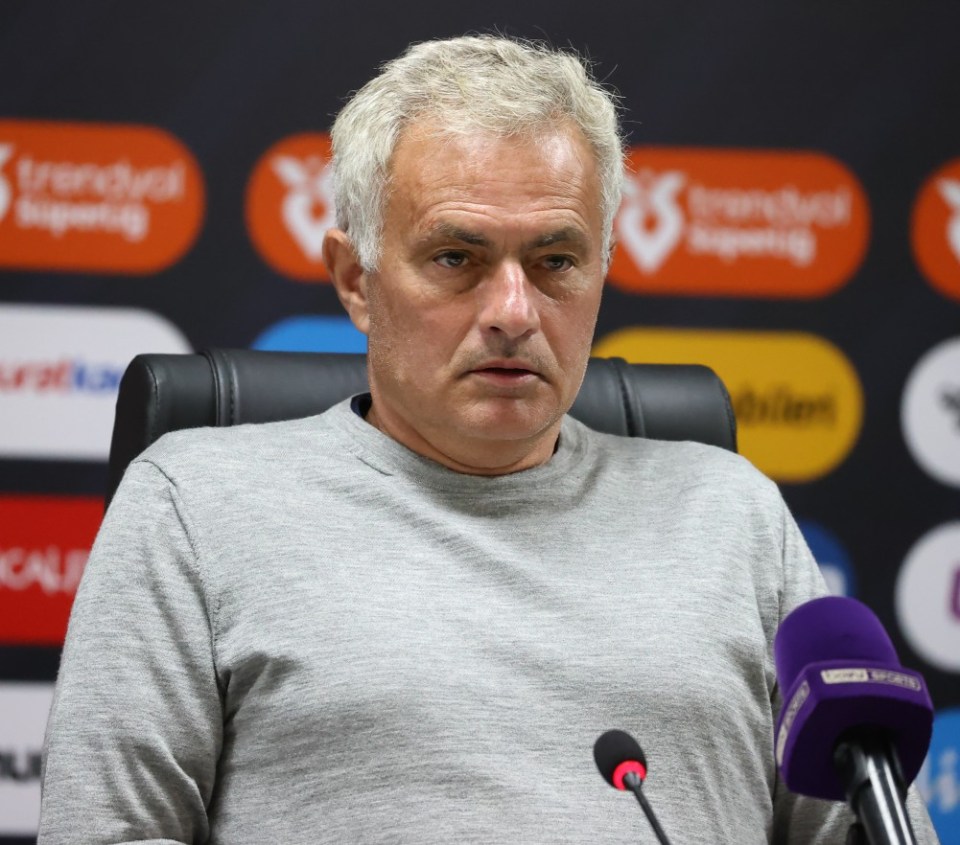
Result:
[{"x": 473, "y": 84}]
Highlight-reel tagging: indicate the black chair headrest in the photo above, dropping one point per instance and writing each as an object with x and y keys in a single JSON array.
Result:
[{"x": 220, "y": 387}]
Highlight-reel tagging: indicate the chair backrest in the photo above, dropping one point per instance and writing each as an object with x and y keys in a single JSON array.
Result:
[{"x": 161, "y": 393}]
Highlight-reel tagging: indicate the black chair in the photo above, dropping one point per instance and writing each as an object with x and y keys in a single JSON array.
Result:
[{"x": 161, "y": 393}]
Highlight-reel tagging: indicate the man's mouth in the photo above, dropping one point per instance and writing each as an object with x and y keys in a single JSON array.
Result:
[
  {"x": 506, "y": 367},
  {"x": 506, "y": 372}
]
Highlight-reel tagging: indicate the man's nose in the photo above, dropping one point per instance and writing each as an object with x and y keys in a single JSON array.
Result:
[{"x": 508, "y": 302}]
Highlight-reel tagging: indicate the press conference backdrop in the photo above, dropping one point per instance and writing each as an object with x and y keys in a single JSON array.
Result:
[{"x": 791, "y": 218}]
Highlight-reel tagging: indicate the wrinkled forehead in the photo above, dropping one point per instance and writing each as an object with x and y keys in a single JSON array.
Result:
[
  {"x": 536, "y": 180},
  {"x": 469, "y": 132}
]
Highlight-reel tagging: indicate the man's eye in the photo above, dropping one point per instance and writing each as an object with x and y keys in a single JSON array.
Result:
[
  {"x": 556, "y": 263},
  {"x": 451, "y": 259}
]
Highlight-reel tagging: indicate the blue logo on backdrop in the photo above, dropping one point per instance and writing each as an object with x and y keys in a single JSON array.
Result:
[
  {"x": 939, "y": 779},
  {"x": 831, "y": 557},
  {"x": 312, "y": 334}
]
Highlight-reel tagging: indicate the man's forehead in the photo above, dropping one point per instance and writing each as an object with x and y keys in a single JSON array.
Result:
[
  {"x": 469, "y": 146},
  {"x": 547, "y": 184}
]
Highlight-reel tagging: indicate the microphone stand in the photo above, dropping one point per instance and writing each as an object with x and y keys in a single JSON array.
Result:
[
  {"x": 870, "y": 771},
  {"x": 856, "y": 835},
  {"x": 633, "y": 781}
]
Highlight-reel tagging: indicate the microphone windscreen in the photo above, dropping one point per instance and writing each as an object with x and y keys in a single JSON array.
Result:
[
  {"x": 840, "y": 677},
  {"x": 829, "y": 628},
  {"x": 614, "y": 748}
]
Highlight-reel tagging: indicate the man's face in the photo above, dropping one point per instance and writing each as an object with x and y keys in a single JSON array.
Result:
[{"x": 482, "y": 311}]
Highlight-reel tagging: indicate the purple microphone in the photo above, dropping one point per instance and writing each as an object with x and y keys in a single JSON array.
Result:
[{"x": 855, "y": 724}]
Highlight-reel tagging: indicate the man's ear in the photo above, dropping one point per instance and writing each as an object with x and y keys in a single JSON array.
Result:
[{"x": 348, "y": 276}]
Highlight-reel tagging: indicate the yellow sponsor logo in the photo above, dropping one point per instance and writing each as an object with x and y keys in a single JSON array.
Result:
[{"x": 797, "y": 398}]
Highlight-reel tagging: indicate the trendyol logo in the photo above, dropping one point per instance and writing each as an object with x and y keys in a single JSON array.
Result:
[
  {"x": 309, "y": 185},
  {"x": 95, "y": 197},
  {"x": 289, "y": 205},
  {"x": 928, "y": 597},
  {"x": 735, "y": 222},
  {"x": 930, "y": 412},
  {"x": 935, "y": 229},
  {"x": 651, "y": 197},
  {"x": 60, "y": 367},
  {"x": 796, "y": 397}
]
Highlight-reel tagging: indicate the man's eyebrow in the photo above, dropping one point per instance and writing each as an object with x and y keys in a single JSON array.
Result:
[
  {"x": 568, "y": 234},
  {"x": 447, "y": 231}
]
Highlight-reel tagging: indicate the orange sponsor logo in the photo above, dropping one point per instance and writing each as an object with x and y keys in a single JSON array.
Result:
[
  {"x": 738, "y": 223},
  {"x": 289, "y": 205},
  {"x": 935, "y": 229},
  {"x": 95, "y": 197}
]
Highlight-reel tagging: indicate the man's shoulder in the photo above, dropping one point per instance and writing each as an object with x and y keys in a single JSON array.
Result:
[
  {"x": 679, "y": 462},
  {"x": 239, "y": 448},
  {"x": 191, "y": 444}
]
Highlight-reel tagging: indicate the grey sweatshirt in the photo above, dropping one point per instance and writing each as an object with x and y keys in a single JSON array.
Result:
[{"x": 304, "y": 633}]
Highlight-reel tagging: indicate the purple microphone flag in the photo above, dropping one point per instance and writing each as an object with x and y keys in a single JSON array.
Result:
[{"x": 838, "y": 671}]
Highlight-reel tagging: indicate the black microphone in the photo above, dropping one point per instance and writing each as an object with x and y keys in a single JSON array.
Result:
[
  {"x": 854, "y": 723},
  {"x": 623, "y": 765}
]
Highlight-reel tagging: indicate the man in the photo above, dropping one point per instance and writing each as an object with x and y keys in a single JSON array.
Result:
[{"x": 407, "y": 619}]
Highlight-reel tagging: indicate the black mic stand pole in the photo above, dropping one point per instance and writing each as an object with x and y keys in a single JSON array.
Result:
[
  {"x": 635, "y": 784},
  {"x": 870, "y": 772}
]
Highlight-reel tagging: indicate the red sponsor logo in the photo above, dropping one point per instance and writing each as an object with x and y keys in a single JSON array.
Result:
[
  {"x": 738, "y": 223},
  {"x": 44, "y": 545},
  {"x": 289, "y": 205},
  {"x": 95, "y": 197}
]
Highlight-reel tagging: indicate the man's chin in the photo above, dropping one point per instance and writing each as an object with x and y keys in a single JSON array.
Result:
[{"x": 510, "y": 419}]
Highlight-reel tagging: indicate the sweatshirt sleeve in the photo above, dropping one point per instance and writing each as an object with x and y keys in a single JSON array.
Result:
[
  {"x": 799, "y": 820},
  {"x": 136, "y": 726}
]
